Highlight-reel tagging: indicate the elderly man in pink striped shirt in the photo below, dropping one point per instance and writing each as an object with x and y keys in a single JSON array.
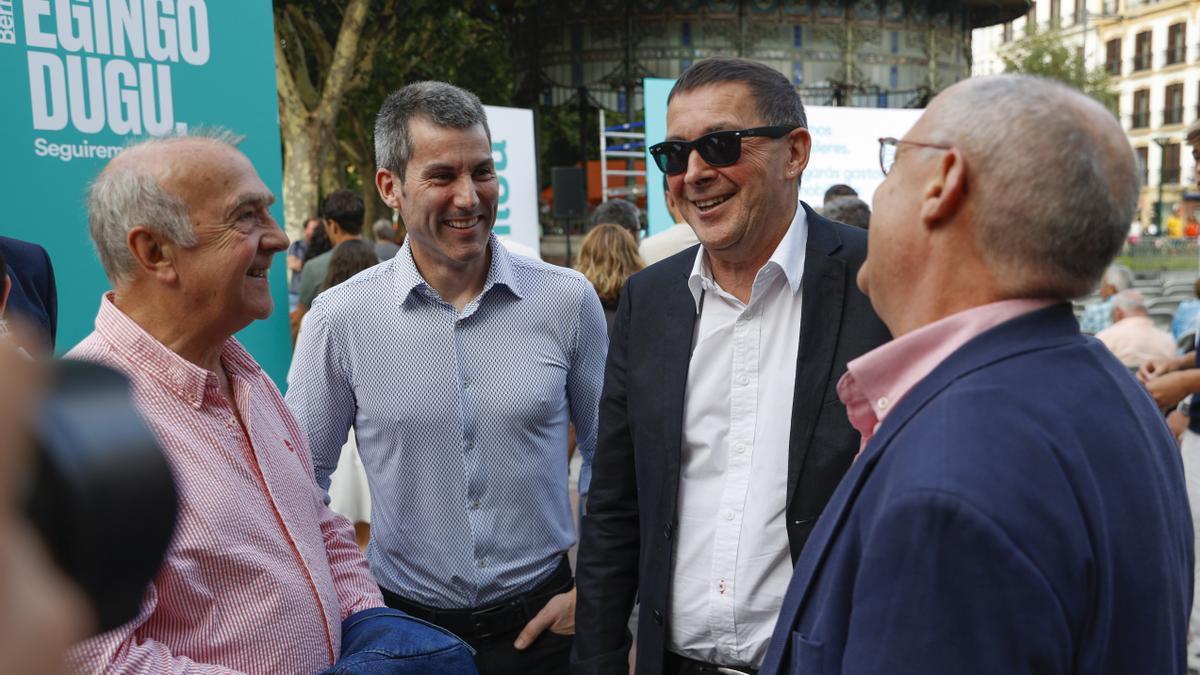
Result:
[{"x": 261, "y": 574}]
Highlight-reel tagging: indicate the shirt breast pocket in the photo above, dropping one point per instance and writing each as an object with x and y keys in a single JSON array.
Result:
[{"x": 808, "y": 656}]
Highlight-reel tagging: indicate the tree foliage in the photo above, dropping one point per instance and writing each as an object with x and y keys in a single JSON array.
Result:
[
  {"x": 328, "y": 106},
  {"x": 1045, "y": 54}
]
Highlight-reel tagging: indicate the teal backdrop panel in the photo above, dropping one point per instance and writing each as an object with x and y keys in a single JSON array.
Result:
[
  {"x": 84, "y": 79},
  {"x": 654, "y": 92}
]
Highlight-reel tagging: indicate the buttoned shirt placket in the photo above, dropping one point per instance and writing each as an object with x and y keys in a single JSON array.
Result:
[
  {"x": 239, "y": 429},
  {"x": 743, "y": 415},
  {"x": 473, "y": 469}
]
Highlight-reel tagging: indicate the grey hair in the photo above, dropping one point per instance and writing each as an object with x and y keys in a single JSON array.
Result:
[
  {"x": 1129, "y": 302},
  {"x": 125, "y": 195},
  {"x": 848, "y": 210},
  {"x": 1057, "y": 194},
  {"x": 1119, "y": 276},
  {"x": 618, "y": 212},
  {"x": 383, "y": 229},
  {"x": 444, "y": 104},
  {"x": 775, "y": 97}
]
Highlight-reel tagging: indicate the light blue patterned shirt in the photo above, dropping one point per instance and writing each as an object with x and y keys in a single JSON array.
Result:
[
  {"x": 1096, "y": 317},
  {"x": 461, "y": 419}
]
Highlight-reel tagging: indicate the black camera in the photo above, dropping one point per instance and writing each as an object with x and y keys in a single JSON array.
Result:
[{"x": 102, "y": 497}]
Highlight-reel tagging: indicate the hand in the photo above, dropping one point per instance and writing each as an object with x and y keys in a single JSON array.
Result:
[
  {"x": 1157, "y": 368},
  {"x": 558, "y": 615},
  {"x": 1168, "y": 390}
]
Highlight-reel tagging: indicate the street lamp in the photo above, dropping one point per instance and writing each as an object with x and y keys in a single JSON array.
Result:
[{"x": 1161, "y": 142}]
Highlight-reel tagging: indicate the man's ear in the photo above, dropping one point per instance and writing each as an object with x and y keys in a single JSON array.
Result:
[
  {"x": 946, "y": 191},
  {"x": 799, "y": 146},
  {"x": 153, "y": 254},
  {"x": 332, "y": 229},
  {"x": 390, "y": 188}
]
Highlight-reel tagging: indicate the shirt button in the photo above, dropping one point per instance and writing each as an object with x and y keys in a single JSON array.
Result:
[
  {"x": 483, "y": 563},
  {"x": 743, "y": 380},
  {"x": 658, "y": 617},
  {"x": 729, "y": 515},
  {"x": 882, "y": 402},
  {"x": 466, "y": 382},
  {"x": 470, "y": 445},
  {"x": 741, "y": 449},
  {"x": 475, "y": 505}
]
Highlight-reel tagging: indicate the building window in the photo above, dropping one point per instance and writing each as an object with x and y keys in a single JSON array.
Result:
[
  {"x": 1143, "y": 157},
  {"x": 1112, "y": 56},
  {"x": 894, "y": 78},
  {"x": 1173, "y": 110},
  {"x": 576, "y": 39},
  {"x": 576, "y": 73},
  {"x": 895, "y": 42},
  {"x": 1141, "y": 109},
  {"x": 1142, "y": 55},
  {"x": 686, "y": 33},
  {"x": 797, "y": 73},
  {"x": 1170, "y": 163},
  {"x": 797, "y": 36},
  {"x": 1176, "y": 43}
]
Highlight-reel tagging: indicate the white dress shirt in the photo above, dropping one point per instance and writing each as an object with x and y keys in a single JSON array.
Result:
[{"x": 732, "y": 564}]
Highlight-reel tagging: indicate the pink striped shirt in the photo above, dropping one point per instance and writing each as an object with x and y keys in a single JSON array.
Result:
[
  {"x": 260, "y": 573},
  {"x": 876, "y": 381}
]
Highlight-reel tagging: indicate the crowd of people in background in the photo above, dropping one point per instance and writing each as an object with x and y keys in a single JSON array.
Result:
[{"x": 859, "y": 439}]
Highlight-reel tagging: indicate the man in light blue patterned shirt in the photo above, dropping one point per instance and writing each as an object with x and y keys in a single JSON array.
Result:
[
  {"x": 459, "y": 365},
  {"x": 1098, "y": 315}
]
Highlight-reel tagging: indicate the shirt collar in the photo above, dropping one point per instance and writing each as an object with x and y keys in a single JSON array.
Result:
[
  {"x": 876, "y": 381},
  {"x": 143, "y": 352},
  {"x": 500, "y": 272},
  {"x": 787, "y": 257}
]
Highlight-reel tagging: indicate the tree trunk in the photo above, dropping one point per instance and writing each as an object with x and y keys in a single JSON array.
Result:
[
  {"x": 301, "y": 171},
  {"x": 306, "y": 129}
]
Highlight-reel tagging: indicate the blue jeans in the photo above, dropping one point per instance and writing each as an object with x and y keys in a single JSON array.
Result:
[{"x": 387, "y": 641}]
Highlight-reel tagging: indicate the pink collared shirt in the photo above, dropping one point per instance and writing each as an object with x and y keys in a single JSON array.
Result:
[
  {"x": 260, "y": 572},
  {"x": 876, "y": 381}
]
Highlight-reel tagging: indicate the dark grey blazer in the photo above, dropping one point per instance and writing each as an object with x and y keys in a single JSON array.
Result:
[{"x": 626, "y": 544}]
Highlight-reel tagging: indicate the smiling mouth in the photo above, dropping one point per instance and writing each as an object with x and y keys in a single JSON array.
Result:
[
  {"x": 463, "y": 223},
  {"x": 706, "y": 205}
]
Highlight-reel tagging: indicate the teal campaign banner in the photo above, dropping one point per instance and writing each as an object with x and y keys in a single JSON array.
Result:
[
  {"x": 85, "y": 79},
  {"x": 654, "y": 93}
]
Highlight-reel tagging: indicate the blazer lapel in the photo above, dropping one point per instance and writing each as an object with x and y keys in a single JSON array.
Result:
[
  {"x": 823, "y": 293},
  {"x": 676, "y": 323}
]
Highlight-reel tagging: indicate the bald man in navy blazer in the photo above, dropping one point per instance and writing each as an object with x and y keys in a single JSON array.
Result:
[
  {"x": 1019, "y": 506},
  {"x": 33, "y": 296}
]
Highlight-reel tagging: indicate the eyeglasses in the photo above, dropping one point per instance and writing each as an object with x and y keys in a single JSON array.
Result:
[
  {"x": 887, "y": 151},
  {"x": 720, "y": 148}
]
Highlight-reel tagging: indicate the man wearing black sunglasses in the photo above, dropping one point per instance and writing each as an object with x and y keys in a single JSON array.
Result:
[{"x": 721, "y": 433}]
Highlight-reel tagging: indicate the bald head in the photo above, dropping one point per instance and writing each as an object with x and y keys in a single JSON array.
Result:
[
  {"x": 146, "y": 185},
  {"x": 1053, "y": 179}
]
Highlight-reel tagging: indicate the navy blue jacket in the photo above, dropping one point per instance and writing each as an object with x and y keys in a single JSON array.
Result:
[
  {"x": 1021, "y": 510},
  {"x": 34, "y": 297},
  {"x": 383, "y": 641}
]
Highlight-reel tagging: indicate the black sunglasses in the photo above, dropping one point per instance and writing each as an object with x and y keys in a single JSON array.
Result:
[{"x": 720, "y": 148}]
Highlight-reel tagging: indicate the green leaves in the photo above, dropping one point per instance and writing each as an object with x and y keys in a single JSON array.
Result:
[{"x": 1045, "y": 54}]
